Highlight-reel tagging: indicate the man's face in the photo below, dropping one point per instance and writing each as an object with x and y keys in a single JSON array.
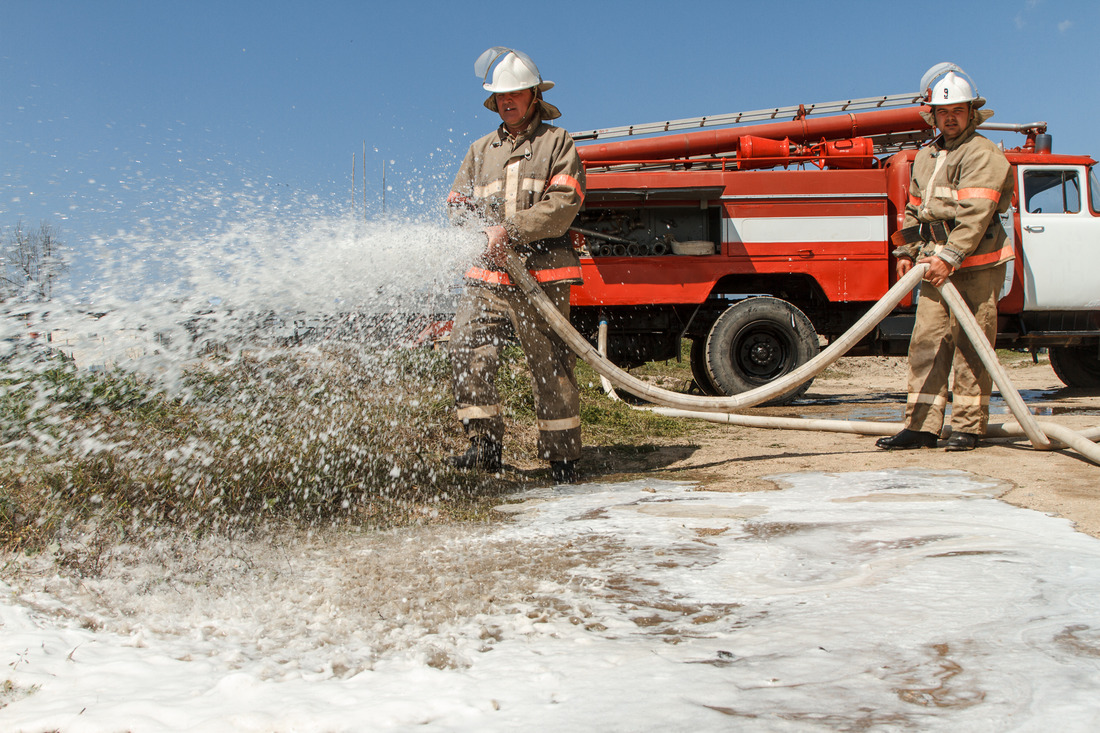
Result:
[
  {"x": 952, "y": 119},
  {"x": 512, "y": 106}
]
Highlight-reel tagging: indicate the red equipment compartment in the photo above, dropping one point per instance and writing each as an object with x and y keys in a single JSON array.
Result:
[{"x": 829, "y": 225}]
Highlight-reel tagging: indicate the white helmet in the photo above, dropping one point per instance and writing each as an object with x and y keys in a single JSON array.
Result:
[
  {"x": 952, "y": 87},
  {"x": 515, "y": 71}
]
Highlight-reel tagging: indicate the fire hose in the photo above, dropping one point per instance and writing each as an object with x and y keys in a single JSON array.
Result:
[{"x": 1044, "y": 436}]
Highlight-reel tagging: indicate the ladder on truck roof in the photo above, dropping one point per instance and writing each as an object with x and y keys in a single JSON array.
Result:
[
  {"x": 795, "y": 112},
  {"x": 888, "y": 130}
]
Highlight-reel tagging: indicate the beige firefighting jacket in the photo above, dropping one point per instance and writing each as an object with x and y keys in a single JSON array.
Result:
[
  {"x": 533, "y": 186},
  {"x": 964, "y": 184}
]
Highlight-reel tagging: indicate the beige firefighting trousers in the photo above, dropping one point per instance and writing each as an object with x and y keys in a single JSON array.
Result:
[
  {"x": 481, "y": 328},
  {"x": 938, "y": 343}
]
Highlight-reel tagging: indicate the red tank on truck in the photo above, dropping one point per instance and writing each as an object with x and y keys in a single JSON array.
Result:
[{"x": 761, "y": 236}]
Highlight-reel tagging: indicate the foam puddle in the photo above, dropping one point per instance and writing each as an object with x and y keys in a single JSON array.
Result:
[{"x": 890, "y": 600}]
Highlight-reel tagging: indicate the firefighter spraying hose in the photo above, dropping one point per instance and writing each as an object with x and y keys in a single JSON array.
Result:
[
  {"x": 523, "y": 183},
  {"x": 719, "y": 409}
]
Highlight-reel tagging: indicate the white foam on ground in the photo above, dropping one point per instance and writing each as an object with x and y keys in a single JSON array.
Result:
[{"x": 893, "y": 600}]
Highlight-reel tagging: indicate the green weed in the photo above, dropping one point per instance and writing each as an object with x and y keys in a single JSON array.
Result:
[{"x": 307, "y": 436}]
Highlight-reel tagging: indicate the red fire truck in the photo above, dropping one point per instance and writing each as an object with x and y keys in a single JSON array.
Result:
[{"x": 757, "y": 242}]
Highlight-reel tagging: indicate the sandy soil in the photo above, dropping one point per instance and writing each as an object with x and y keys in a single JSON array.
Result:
[{"x": 1060, "y": 483}]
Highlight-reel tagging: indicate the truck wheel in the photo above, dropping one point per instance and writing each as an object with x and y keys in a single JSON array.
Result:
[
  {"x": 699, "y": 371},
  {"x": 1076, "y": 366},
  {"x": 757, "y": 341}
]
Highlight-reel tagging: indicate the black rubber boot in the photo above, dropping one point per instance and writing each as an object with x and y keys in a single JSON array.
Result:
[
  {"x": 907, "y": 440},
  {"x": 962, "y": 441},
  {"x": 483, "y": 453},
  {"x": 564, "y": 472}
]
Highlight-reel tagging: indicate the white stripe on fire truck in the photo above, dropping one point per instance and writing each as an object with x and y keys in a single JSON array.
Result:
[{"x": 805, "y": 229}]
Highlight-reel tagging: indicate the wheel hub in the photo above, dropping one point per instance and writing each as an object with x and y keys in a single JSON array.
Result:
[
  {"x": 762, "y": 356},
  {"x": 762, "y": 353}
]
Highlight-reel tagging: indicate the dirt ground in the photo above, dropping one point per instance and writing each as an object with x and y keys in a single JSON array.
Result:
[{"x": 1060, "y": 483}]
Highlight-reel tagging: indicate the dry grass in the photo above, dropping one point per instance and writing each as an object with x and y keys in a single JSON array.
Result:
[
  {"x": 320, "y": 436},
  {"x": 310, "y": 436}
]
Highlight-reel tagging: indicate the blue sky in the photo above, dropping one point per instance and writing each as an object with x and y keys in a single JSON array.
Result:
[{"x": 113, "y": 112}]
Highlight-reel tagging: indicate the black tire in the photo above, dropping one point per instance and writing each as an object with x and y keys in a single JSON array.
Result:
[
  {"x": 755, "y": 342},
  {"x": 699, "y": 372},
  {"x": 1076, "y": 366}
]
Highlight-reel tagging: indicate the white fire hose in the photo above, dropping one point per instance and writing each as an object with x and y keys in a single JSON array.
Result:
[{"x": 720, "y": 409}]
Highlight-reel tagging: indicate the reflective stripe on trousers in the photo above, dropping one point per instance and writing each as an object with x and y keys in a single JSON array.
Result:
[
  {"x": 938, "y": 347},
  {"x": 485, "y": 319}
]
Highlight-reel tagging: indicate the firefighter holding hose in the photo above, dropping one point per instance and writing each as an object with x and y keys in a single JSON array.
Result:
[
  {"x": 961, "y": 183},
  {"x": 522, "y": 184}
]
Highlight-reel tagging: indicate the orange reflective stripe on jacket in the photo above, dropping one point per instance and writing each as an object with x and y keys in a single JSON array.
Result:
[
  {"x": 564, "y": 180},
  {"x": 495, "y": 277},
  {"x": 979, "y": 193},
  {"x": 559, "y": 273},
  {"x": 989, "y": 258}
]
